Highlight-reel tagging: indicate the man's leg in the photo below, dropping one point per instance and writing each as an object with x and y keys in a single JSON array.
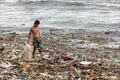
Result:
[
  {"x": 33, "y": 53},
  {"x": 40, "y": 49},
  {"x": 40, "y": 52},
  {"x": 35, "y": 47}
]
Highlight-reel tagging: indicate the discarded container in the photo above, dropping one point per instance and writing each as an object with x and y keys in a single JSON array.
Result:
[
  {"x": 64, "y": 75},
  {"x": 26, "y": 64},
  {"x": 68, "y": 58},
  {"x": 76, "y": 76},
  {"x": 25, "y": 78},
  {"x": 85, "y": 62}
]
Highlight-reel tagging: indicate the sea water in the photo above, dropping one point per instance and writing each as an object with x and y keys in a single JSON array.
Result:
[{"x": 76, "y": 14}]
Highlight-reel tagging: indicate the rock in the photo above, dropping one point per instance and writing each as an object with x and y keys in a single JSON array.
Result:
[{"x": 108, "y": 32}]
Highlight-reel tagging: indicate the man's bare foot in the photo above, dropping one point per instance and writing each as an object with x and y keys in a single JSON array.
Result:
[
  {"x": 33, "y": 57},
  {"x": 40, "y": 55}
]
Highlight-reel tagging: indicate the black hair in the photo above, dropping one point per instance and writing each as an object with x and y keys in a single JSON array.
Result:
[{"x": 37, "y": 22}]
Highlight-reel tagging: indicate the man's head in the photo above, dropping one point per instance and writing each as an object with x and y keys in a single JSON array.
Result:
[{"x": 36, "y": 23}]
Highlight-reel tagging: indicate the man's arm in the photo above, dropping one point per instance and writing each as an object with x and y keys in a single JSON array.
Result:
[
  {"x": 39, "y": 32},
  {"x": 29, "y": 35}
]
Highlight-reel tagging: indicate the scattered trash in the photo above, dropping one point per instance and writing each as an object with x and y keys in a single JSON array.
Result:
[
  {"x": 64, "y": 58},
  {"x": 67, "y": 58},
  {"x": 26, "y": 64},
  {"x": 85, "y": 62},
  {"x": 25, "y": 78}
]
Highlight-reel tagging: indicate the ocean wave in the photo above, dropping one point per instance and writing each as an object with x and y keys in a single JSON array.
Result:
[{"x": 53, "y": 3}]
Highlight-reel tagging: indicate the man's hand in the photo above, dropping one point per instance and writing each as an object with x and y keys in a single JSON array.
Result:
[{"x": 29, "y": 35}]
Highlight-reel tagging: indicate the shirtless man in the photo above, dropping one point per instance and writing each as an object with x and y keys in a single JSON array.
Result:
[{"x": 34, "y": 31}]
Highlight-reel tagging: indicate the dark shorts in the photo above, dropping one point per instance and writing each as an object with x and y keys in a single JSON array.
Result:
[{"x": 37, "y": 44}]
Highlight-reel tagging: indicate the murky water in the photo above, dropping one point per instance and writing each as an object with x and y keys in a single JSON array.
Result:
[{"x": 85, "y": 14}]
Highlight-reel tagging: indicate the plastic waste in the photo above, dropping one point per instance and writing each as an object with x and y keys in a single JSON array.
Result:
[
  {"x": 25, "y": 78},
  {"x": 27, "y": 52},
  {"x": 85, "y": 62},
  {"x": 26, "y": 64},
  {"x": 55, "y": 65},
  {"x": 68, "y": 58}
]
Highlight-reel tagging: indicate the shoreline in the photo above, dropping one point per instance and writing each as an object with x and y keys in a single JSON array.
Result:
[
  {"x": 115, "y": 35},
  {"x": 90, "y": 39}
]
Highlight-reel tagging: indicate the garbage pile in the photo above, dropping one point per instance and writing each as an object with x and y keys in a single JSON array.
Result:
[{"x": 61, "y": 61}]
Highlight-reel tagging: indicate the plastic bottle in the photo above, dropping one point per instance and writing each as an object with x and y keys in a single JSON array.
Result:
[{"x": 25, "y": 78}]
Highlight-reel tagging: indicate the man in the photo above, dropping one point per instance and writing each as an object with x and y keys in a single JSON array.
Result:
[{"x": 34, "y": 31}]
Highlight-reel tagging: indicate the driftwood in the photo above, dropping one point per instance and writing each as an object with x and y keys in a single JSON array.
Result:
[
  {"x": 70, "y": 62},
  {"x": 1, "y": 50}
]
